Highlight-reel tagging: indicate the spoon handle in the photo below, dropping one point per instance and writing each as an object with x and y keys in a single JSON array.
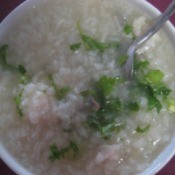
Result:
[
  {"x": 143, "y": 38},
  {"x": 158, "y": 24}
]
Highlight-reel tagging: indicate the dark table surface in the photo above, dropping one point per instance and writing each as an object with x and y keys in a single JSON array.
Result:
[{"x": 6, "y": 6}]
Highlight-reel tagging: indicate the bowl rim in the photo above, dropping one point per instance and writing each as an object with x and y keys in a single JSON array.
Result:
[{"x": 148, "y": 8}]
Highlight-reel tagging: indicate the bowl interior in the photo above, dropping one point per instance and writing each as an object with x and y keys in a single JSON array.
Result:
[{"x": 168, "y": 152}]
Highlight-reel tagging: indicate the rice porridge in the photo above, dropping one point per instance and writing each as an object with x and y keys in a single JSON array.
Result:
[{"x": 66, "y": 106}]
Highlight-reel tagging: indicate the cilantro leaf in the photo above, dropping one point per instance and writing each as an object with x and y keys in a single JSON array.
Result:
[
  {"x": 74, "y": 147},
  {"x": 3, "y": 58},
  {"x": 122, "y": 59},
  {"x": 93, "y": 44},
  {"x": 18, "y": 99},
  {"x": 87, "y": 93},
  {"x": 140, "y": 64},
  {"x": 113, "y": 106},
  {"x": 107, "y": 130},
  {"x": 106, "y": 84},
  {"x": 56, "y": 154},
  {"x": 128, "y": 29},
  {"x": 153, "y": 102},
  {"x": 154, "y": 76},
  {"x": 75, "y": 47},
  {"x": 144, "y": 129},
  {"x": 21, "y": 70},
  {"x": 161, "y": 89},
  {"x": 104, "y": 118},
  {"x": 60, "y": 92},
  {"x": 24, "y": 77},
  {"x": 132, "y": 106},
  {"x": 3, "y": 54},
  {"x": 151, "y": 85}
]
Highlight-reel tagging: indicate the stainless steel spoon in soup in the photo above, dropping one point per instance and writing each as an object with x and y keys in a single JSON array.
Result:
[{"x": 128, "y": 67}]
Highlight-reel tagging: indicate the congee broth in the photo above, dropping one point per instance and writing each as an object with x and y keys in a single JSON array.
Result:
[{"x": 66, "y": 106}]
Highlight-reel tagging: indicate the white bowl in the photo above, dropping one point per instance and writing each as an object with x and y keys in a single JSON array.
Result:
[{"x": 163, "y": 157}]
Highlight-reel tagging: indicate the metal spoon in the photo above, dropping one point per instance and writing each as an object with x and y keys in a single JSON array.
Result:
[{"x": 128, "y": 67}]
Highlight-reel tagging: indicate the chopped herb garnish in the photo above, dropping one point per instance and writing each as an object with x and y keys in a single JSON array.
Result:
[
  {"x": 24, "y": 77},
  {"x": 87, "y": 93},
  {"x": 132, "y": 106},
  {"x": 21, "y": 70},
  {"x": 128, "y": 30},
  {"x": 140, "y": 64},
  {"x": 75, "y": 47},
  {"x": 3, "y": 54},
  {"x": 142, "y": 130},
  {"x": 113, "y": 106},
  {"x": 152, "y": 99},
  {"x": 161, "y": 89},
  {"x": 114, "y": 44},
  {"x": 56, "y": 154},
  {"x": 18, "y": 100},
  {"x": 60, "y": 92},
  {"x": 3, "y": 58},
  {"x": 154, "y": 76},
  {"x": 93, "y": 44},
  {"x": 74, "y": 147},
  {"x": 121, "y": 60},
  {"x": 106, "y": 131},
  {"x": 153, "y": 102},
  {"x": 150, "y": 83},
  {"x": 146, "y": 83},
  {"x": 106, "y": 84},
  {"x": 103, "y": 118}
]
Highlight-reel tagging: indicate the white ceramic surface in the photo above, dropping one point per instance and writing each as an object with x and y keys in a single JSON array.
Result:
[{"x": 168, "y": 152}]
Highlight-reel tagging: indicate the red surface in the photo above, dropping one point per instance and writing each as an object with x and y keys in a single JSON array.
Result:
[{"x": 7, "y": 5}]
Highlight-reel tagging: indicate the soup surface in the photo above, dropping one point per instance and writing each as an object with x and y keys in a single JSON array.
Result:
[{"x": 66, "y": 106}]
